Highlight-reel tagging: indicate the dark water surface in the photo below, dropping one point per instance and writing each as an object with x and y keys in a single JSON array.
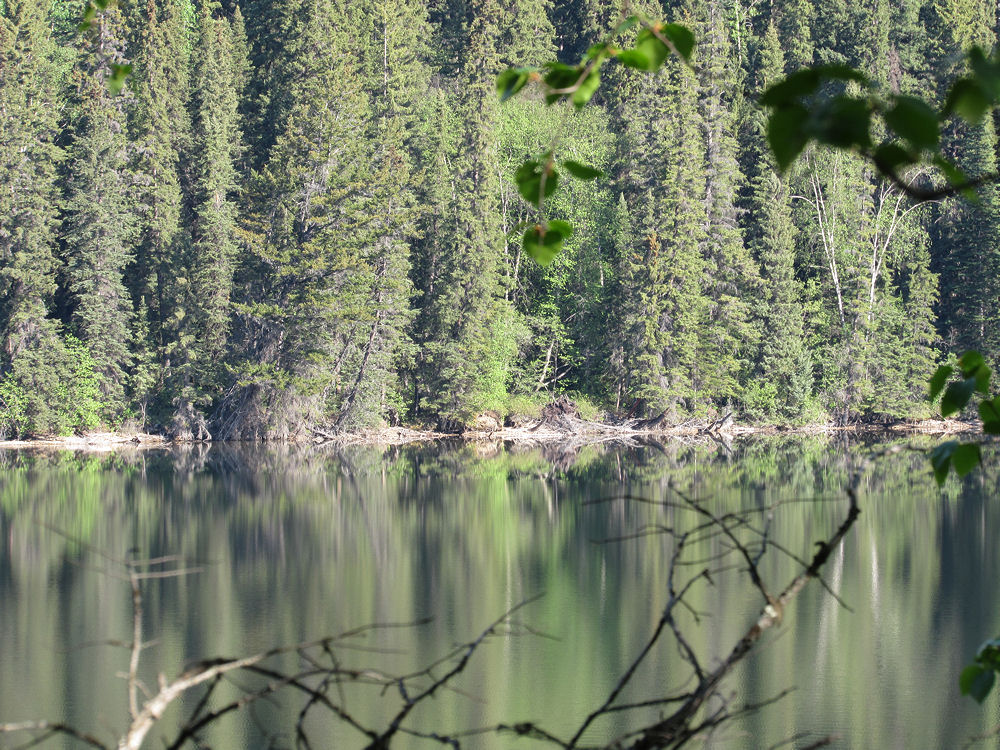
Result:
[{"x": 298, "y": 543}]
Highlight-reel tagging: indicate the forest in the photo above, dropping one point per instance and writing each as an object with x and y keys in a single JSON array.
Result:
[{"x": 303, "y": 212}]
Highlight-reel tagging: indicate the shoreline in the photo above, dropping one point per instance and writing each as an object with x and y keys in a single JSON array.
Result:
[{"x": 575, "y": 432}]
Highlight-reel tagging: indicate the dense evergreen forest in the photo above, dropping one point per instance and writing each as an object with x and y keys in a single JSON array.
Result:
[{"x": 302, "y": 212}]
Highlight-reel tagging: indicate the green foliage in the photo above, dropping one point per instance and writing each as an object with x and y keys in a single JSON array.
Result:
[
  {"x": 14, "y": 420},
  {"x": 52, "y": 391},
  {"x": 339, "y": 233},
  {"x": 978, "y": 678},
  {"x": 537, "y": 179},
  {"x": 973, "y": 376}
]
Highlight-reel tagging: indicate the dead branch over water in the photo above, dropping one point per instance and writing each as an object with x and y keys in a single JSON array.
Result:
[{"x": 697, "y": 710}]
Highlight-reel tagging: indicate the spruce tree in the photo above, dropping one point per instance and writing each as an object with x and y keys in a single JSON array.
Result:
[
  {"x": 28, "y": 161},
  {"x": 162, "y": 131},
  {"x": 967, "y": 251},
  {"x": 34, "y": 363},
  {"x": 661, "y": 308},
  {"x": 783, "y": 379},
  {"x": 397, "y": 78},
  {"x": 199, "y": 324},
  {"x": 99, "y": 225},
  {"x": 303, "y": 287},
  {"x": 465, "y": 341},
  {"x": 793, "y": 21},
  {"x": 731, "y": 277}
]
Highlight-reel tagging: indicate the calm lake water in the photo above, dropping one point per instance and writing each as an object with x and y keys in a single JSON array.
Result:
[{"x": 299, "y": 543}]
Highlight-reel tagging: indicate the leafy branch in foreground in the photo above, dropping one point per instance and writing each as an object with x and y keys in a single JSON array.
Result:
[
  {"x": 977, "y": 679},
  {"x": 839, "y": 107},
  {"x": 539, "y": 177},
  {"x": 964, "y": 380},
  {"x": 971, "y": 376}
]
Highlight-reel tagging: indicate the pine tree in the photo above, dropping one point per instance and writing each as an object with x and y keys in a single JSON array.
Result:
[
  {"x": 99, "y": 223},
  {"x": 464, "y": 318},
  {"x": 304, "y": 285},
  {"x": 661, "y": 306},
  {"x": 784, "y": 366},
  {"x": 34, "y": 361},
  {"x": 732, "y": 280}
]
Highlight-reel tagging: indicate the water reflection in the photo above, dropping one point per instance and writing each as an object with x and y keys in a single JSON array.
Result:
[{"x": 302, "y": 542}]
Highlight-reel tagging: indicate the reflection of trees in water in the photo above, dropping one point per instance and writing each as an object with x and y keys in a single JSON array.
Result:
[
  {"x": 433, "y": 524},
  {"x": 704, "y": 546}
]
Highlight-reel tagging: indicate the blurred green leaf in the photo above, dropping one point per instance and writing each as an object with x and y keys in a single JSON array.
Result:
[
  {"x": 889, "y": 157},
  {"x": 914, "y": 120},
  {"x": 116, "y": 81},
  {"x": 682, "y": 39},
  {"x": 529, "y": 179},
  {"x": 969, "y": 361},
  {"x": 968, "y": 100},
  {"x": 792, "y": 88},
  {"x": 633, "y": 58},
  {"x": 588, "y": 87},
  {"x": 955, "y": 177},
  {"x": 957, "y": 396},
  {"x": 511, "y": 81},
  {"x": 989, "y": 654},
  {"x": 938, "y": 381},
  {"x": 560, "y": 78},
  {"x": 582, "y": 171},
  {"x": 597, "y": 50},
  {"x": 89, "y": 15},
  {"x": 941, "y": 460},
  {"x": 655, "y": 50},
  {"x": 786, "y": 134},
  {"x": 989, "y": 413},
  {"x": 625, "y": 25},
  {"x": 974, "y": 366},
  {"x": 965, "y": 458},
  {"x": 844, "y": 122},
  {"x": 976, "y": 681},
  {"x": 543, "y": 242},
  {"x": 803, "y": 83}
]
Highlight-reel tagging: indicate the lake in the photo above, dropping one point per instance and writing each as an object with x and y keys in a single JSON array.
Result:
[{"x": 297, "y": 543}]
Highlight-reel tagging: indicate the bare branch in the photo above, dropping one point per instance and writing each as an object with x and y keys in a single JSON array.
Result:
[{"x": 47, "y": 729}]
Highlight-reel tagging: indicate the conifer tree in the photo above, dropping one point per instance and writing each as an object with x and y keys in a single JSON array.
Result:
[
  {"x": 99, "y": 227},
  {"x": 397, "y": 78},
  {"x": 528, "y": 39},
  {"x": 784, "y": 368},
  {"x": 467, "y": 349},
  {"x": 310, "y": 220},
  {"x": 28, "y": 161},
  {"x": 161, "y": 128},
  {"x": 199, "y": 325},
  {"x": 661, "y": 304},
  {"x": 272, "y": 28},
  {"x": 731, "y": 279},
  {"x": 793, "y": 21},
  {"x": 33, "y": 361},
  {"x": 967, "y": 251}
]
